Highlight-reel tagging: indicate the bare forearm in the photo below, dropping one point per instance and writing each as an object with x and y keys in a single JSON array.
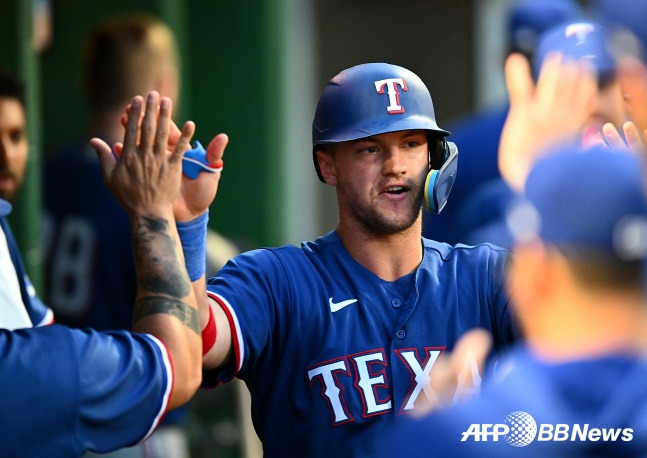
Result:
[{"x": 166, "y": 304}]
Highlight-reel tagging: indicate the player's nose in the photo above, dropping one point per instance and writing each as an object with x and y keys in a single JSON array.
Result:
[{"x": 394, "y": 161}]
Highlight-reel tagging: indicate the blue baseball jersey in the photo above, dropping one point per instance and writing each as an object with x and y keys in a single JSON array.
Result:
[
  {"x": 90, "y": 268},
  {"x": 332, "y": 354},
  {"x": 38, "y": 312},
  {"x": 532, "y": 408},
  {"x": 65, "y": 391}
]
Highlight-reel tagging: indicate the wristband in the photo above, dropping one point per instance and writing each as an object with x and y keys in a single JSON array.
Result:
[
  {"x": 193, "y": 237},
  {"x": 209, "y": 334}
]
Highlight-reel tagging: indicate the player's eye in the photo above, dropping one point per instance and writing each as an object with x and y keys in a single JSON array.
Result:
[
  {"x": 17, "y": 135},
  {"x": 368, "y": 150}
]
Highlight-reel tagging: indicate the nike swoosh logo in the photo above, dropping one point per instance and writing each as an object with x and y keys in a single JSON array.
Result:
[{"x": 337, "y": 306}]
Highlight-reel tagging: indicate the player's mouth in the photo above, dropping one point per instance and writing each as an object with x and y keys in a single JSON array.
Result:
[
  {"x": 395, "y": 191},
  {"x": 7, "y": 181}
]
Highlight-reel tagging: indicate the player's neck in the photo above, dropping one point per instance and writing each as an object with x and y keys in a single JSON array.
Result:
[
  {"x": 610, "y": 325},
  {"x": 387, "y": 256}
]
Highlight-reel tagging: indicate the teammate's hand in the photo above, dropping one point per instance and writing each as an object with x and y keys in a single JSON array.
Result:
[
  {"x": 145, "y": 178},
  {"x": 196, "y": 195},
  {"x": 455, "y": 376},
  {"x": 545, "y": 115}
]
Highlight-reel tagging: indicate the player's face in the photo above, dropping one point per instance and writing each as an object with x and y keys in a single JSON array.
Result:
[
  {"x": 380, "y": 180},
  {"x": 13, "y": 147},
  {"x": 608, "y": 107}
]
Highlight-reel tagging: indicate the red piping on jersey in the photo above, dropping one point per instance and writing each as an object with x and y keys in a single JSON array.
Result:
[
  {"x": 233, "y": 325},
  {"x": 209, "y": 334}
]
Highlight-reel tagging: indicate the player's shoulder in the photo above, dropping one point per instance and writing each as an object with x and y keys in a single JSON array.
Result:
[
  {"x": 447, "y": 252},
  {"x": 265, "y": 261},
  {"x": 286, "y": 258}
]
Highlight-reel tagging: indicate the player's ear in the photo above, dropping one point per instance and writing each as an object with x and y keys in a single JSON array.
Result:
[{"x": 327, "y": 166}]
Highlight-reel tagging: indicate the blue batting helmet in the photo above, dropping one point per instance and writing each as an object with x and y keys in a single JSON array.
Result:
[{"x": 372, "y": 99}]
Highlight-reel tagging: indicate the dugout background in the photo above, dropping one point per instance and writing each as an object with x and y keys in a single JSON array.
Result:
[{"x": 252, "y": 69}]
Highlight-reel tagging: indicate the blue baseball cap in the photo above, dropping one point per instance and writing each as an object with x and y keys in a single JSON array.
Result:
[
  {"x": 630, "y": 14},
  {"x": 585, "y": 199},
  {"x": 529, "y": 19},
  {"x": 578, "y": 40}
]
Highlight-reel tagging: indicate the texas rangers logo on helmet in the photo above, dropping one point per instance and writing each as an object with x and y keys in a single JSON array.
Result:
[
  {"x": 391, "y": 85},
  {"x": 579, "y": 31}
]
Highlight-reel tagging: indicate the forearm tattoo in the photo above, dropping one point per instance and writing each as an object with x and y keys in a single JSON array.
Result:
[
  {"x": 159, "y": 267},
  {"x": 157, "y": 304},
  {"x": 160, "y": 274}
]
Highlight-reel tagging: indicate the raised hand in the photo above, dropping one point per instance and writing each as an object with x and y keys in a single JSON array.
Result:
[
  {"x": 196, "y": 195},
  {"x": 544, "y": 115},
  {"x": 145, "y": 176}
]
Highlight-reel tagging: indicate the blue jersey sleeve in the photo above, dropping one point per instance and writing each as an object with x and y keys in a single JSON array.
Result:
[
  {"x": 256, "y": 282},
  {"x": 67, "y": 390}
]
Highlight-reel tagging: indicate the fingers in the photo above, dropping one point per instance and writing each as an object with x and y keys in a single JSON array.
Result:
[
  {"x": 183, "y": 143},
  {"x": 518, "y": 79},
  {"x": 174, "y": 133},
  {"x": 216, "y": 150},
  {"x": 106, "y": 158},
  {"x": 161, "y": 132},
  {"x": 634, "y": 142},
  {"x": 592, "y": 138},
  {"x": 567, "y": 85},
  {"x": 613, "y": 138},
  {"x": 132, "y": 126},
  {"x": 553, "y": 76},
  {"x": 149, "y": 126},
  {"x": 474, "y": 345},
  {"x": 459, "y": 369}
]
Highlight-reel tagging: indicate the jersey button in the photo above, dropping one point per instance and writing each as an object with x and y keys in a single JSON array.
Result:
[
  {"x": 400, "y": 334},
  {"x": 396, "y": 303}
]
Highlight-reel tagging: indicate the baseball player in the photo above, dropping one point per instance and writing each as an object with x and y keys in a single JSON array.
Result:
[
  {"x": 20, "y": 306},
  {"x": 574, "y": 40},
  {"x": 65, "y": 391},
  {"x": 336, "y": 339},
  {"x": 575, "y": 387}
]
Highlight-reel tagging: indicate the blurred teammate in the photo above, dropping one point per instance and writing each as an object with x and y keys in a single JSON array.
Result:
[
  {"x": 575, "y": 387},
  {"x": 20, "y": 307},
  {"x": 574, "y": 40},
  {"x": 66, "y": 390},
  {"x": 477, "y": 136}
]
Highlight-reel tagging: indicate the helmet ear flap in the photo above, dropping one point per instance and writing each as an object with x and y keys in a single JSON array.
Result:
[
  {"x": 438, "y": 151},
  {"x": 440, "y": 180}
]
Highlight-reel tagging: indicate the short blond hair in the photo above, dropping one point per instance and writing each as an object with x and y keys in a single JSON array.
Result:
[{"x": 125, "y": 56}]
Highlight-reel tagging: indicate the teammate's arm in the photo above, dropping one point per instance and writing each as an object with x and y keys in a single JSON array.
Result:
[
  {"x": 146, "y": 181},
  {"x": 191, "y": 205}
]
